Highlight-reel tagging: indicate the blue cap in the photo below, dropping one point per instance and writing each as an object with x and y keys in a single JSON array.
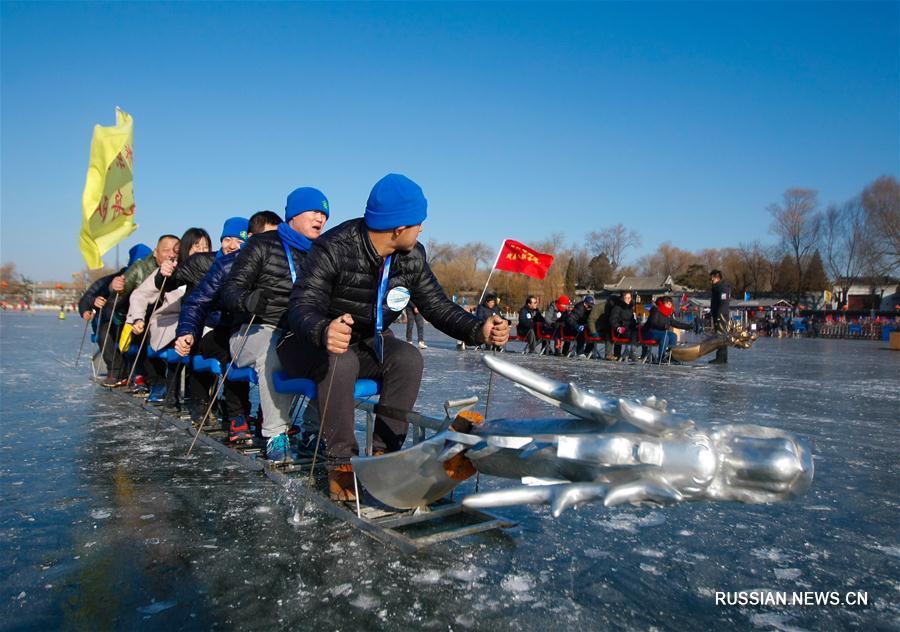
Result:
[
  {"x": 395, "y": 201},
  {"x": 305, "y": 199},
  {"x": 235, "y": 227},
  {"x": 141, "y": 251}
]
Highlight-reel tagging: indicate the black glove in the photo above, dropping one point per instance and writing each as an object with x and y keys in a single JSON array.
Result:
[{"x": 257, "y": 300}]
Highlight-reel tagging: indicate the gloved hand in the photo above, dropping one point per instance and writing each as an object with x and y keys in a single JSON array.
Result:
[{"x": 257, "y": 300}]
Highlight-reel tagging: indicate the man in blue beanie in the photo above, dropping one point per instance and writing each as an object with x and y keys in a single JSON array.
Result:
[
  {"x": 355, "y": 282},
  {"x": 257, "y": 288}
]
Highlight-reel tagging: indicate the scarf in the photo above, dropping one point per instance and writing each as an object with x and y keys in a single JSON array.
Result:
[{"x": 292, "y": 238}]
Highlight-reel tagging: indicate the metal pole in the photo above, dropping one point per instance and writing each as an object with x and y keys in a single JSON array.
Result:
[
  {"x": 137, "y": 358},
  {"x": 83, "y": 336},
  {"x": 112, "y": 314}
]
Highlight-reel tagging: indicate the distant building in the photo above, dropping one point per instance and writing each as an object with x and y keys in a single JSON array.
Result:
[{"x": 867, "y": 293}]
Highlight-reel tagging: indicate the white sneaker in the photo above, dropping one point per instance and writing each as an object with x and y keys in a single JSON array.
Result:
[{"x": 422, "y": 345}]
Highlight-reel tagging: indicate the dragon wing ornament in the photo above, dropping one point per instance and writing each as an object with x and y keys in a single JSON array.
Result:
[{"x": 611, "y": 450}]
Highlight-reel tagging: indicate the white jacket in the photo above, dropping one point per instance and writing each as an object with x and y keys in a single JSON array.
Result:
[{"x": 164, "y": 320}]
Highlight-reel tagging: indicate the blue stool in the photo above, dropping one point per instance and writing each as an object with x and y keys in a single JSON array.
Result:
[
  {"x": 236, "y": 374},
  {"x": 169, "y": 356},
  {"x": 306, "y": 388}
]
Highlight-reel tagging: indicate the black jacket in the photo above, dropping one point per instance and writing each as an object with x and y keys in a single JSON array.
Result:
[
  {"x": 621, "y": 314},
  {"x": 340, "y": 275},
  {"x": 719, "y": 296},
  {"x": 656, "y": 320},
  {"x": 188, "y": 272},
  {"x": 484, "y": 312},
  {"x": 203, "y": 305},
  {"x": 578, "y": 317},
  {"x": 528, "y": 320},
  {"x": 262, "y": 264},
  {"x": 100, "y": 288}
]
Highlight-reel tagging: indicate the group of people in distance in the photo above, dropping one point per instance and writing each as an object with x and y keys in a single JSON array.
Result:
[
  {"x": 286, "y": 295},
  {"x": 614, "y": 322}
]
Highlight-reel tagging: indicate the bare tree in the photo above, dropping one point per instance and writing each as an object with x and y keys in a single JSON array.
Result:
[
  {"x": 755, "y": 265},
  {"x": 613, "y": 242},
  {"x": 881, "y": 201},
  {"x": 667, "y": 260},
  {"x": 797, "y": 223},
  {"x": 844, "y": 240}
]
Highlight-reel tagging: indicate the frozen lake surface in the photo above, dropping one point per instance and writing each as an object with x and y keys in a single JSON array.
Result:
[{"x": 104, "y": 525}]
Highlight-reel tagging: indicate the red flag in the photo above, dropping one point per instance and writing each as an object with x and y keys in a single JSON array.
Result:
[{"x": 519, "y": 258}]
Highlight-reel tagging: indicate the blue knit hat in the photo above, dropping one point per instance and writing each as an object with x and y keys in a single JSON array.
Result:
[
  {"x": 305, "y": 199},
  {"x": 141, "y": 251},
  {"x": 395, "y": 201},
  {"x": 235, "y": 227}
]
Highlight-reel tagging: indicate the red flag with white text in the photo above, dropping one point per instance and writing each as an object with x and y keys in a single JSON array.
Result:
[{"x": 519, "y": 258}]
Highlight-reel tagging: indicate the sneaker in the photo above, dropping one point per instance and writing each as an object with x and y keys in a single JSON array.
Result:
[
  {"x": 157, "y": 394},
  {"x": 422, "y": 345},
  {"x": 306, "y": 444},
  {"x": 278, "y": 449},
  {"x": 140, "y": 391},
  {"x": 239, "y": 430}
]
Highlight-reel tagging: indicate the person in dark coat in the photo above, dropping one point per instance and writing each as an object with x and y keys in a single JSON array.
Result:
[
  {"x": 622, "y": 323},
  {"x": 660, "y": 319},
  {"x": 720, "y": 295},
  {"x": 203, "y": 308},
  {"x": 257, "y": 289},
  {"x": 95, "y": 304},
  {"x": 488, "y": 309},
  {"x": 354, "y": 283},
  {"x": 576, "y": 323},
  {"x": 529, "y": 317}
]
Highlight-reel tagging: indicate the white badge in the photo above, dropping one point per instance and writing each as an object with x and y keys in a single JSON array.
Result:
[{"x": 397, "y": 299}]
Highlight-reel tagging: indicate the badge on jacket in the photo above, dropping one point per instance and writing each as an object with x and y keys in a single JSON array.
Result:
[{"x": 397, "y": 299}]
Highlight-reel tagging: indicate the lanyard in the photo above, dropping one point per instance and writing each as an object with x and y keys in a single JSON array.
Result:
[
  {"x": 379, "y": 308},
  {"x": 287, "y": 251}
]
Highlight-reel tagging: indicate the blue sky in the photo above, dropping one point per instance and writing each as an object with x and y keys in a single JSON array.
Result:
[{"x": 681, "y": 120}]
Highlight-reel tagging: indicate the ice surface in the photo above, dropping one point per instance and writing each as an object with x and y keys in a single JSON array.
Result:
[{"x": 107, "y": 525}]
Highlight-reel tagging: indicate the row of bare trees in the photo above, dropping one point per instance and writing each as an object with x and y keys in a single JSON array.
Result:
[{"x": 815, "y": 249}]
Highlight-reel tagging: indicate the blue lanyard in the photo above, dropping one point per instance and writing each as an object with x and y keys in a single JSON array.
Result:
[
  {"x": 287, "y": 251},
  {"x": 379, "y": 308}
]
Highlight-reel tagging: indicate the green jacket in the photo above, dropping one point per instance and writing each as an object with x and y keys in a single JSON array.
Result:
[
  {"x": 137, "y": 272},
  {"x": 596, "y": 318}
]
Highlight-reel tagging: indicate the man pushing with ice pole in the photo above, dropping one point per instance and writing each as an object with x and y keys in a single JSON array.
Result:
[{"x": 355, "y": 282}]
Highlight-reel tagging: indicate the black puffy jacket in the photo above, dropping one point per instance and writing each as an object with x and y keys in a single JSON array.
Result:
[
  {"x": 621, "y": 314},
  {"x": 203, "y": 305},
  {"x": 340, "y": 275},
  {"x": 188, "y": 272},
  {"x": 262, "y": 264},
  {"x": 528, "y": 320}
]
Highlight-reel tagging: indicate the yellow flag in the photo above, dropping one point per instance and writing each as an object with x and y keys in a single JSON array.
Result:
[{"x": 107, "y": 203}]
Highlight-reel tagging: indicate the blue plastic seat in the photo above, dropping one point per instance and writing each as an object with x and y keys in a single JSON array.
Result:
[
  {"x": 206, "y": 365},
  {"x": 243, "y": 374},
  {"x": 169, "y": 356},
  {"x": 306, "y": 387}
]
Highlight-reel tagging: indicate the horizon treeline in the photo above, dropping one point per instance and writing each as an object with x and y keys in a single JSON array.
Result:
[{"x": 814, "y": 248}]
